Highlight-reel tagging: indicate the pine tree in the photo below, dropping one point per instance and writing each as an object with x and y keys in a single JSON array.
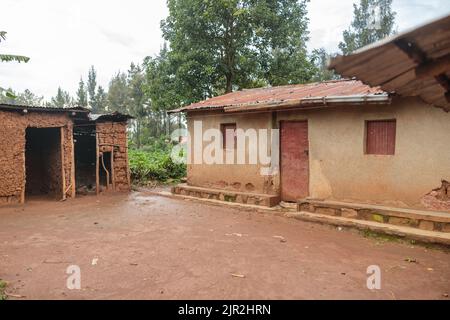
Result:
[
  {"x": 82, "y": 94},
  {"x": 92, "y": 88},
  {"x": 101, "y": 99},
  {"x": 62, "y": 99},
  {"x": 373, "y": 20}
]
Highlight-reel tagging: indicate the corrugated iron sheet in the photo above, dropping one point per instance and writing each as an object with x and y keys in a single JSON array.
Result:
[
  {"x": 387, "y": 65},
  {"x": 5, "y": 106},
  {"x": 284, "y": 94}
]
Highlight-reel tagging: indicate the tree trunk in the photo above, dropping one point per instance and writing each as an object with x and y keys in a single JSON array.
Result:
[
  {"x": 138, "y": 133},
  {"x": 229, "y": 87}
]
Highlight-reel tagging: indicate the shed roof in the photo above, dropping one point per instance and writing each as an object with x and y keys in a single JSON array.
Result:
[
  {"x": 299, "y": 95},
  {"x": 113, "y": 116},
  {"x": 413, "y": 63},
  {"x": 15, "y": 107},
  {"x": 82, "y": 114}
]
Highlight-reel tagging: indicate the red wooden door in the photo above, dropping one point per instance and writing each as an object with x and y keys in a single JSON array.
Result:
[{"x": 294, "y": 160}]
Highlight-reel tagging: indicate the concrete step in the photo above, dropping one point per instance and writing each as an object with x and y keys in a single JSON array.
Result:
[
  {"x": 424, "y": 236},
  {"x": 264, "y": 200},
  {"x": 418, "y": 219}
]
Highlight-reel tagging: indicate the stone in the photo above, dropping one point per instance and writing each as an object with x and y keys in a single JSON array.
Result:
[
  {"x": 446, "y": 227},
  {"x": 377, "y": 217},
  {"x": 426, "y": 225},
  {"x": 327, "y": 211},
  {"x": 349, "y": 213},
  {"x": 399, "y": 221}
]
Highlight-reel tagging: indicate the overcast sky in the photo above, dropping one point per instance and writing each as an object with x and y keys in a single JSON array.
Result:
[{"x": 65, "y": 37}]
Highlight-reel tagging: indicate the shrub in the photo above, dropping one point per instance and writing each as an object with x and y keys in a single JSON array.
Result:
[{"x": 153, "y": 163}]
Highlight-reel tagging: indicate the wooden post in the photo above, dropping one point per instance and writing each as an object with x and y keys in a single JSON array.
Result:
[
  {"x": 72, "y": 178},
  {"x": 24, "y": 184},
  {"x": 63, "y": 175},
  {"x": 113, "y": 177},
  {"x": 97, "y": 165},
  {"x": 128, "y": 165}
]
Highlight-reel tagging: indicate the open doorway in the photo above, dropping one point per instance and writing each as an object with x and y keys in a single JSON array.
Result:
[
  {"x": 43, "y": 163},
  {"x": 85, "y": 157}
]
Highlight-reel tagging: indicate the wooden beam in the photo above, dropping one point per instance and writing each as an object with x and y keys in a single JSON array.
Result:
[
  {"x": 97, "y": 165},
  {"x": 24, "y": 184},
  {"x": 72, "y": 173},
  {"x": 433, "y": 68},
  {"x": 444, "y": 81},
  {"x": 113, "y": 177},
  {"x": 63, "y": 174},
  {"x": 412, "y": 50}
]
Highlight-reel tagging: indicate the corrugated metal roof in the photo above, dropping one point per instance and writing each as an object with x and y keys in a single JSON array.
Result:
[
  {"x": 283, "y": 96},
  {"x": 5, "y": 106},
  {"x": 414, "y": 63},
  {"x": 113, "y": 116}
]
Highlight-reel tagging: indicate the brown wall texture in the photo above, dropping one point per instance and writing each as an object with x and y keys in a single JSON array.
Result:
[{"x": 12, "y": 148}]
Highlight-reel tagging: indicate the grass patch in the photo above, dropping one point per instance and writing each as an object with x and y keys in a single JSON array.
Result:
[
  {"x": 383, "y": 237},
  {"x": 3, "y": 295}
]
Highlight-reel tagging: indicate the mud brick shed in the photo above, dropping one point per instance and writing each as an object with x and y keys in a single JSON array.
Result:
[{"x": 56, "y": 153}]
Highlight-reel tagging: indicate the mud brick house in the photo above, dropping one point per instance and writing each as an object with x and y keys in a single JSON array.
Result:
[
  {"x": 383, "y": 141},
  {"x": 53, "y": 152}
]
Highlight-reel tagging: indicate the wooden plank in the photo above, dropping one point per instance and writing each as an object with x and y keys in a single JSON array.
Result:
[
  {"x": 63, "y": 174},
  {"x": 113, "y": 176},
  {"x": 97, "y": 165},
  {"x": 72, "y": 173},
  {"x": 128, "y": 165},
  {"x": 434, "y": 67},
  {"x": 24, "y": 184}
]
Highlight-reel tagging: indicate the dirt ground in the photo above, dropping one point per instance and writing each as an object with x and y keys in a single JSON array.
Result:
[{"x": 142, "y": 246}]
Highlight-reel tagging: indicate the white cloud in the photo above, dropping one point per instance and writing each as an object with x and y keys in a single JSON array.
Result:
[{"x": 65, "y": 37}]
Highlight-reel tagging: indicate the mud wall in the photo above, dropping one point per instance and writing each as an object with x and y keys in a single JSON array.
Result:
[
  {"x": 112, "y": 137},
  {"x": 339, "y": 168},
  {"x": 237, "y": 177},
  {"x": 12, "y": 149}
]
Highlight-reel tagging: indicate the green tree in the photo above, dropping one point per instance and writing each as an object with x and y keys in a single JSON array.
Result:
[
  {"x": 137, "y": 100},
  {"x": 82, "y": 94},
  {"x": 118, "y": 93},
  {"x": 163, "y": 90},
  {"x": 11, "y": 57},
  {"x": 92, "y": 89},
  {"x": 101, "y": 99},
  {"x": 28, "y": 98},
  {"x": 217, "y": 46},
  {"x": 8, "y": 58},
  {"x": 320, "y": 58},
  {"x": 373, "y": 20},
  {"x": 62, "y": 99}
]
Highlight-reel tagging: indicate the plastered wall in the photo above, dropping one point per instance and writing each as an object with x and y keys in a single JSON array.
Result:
[{"x": 339, "y": 168}]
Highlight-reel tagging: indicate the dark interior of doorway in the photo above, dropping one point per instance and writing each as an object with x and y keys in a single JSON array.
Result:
[
  {"x": 43, "y": 162},
  {"x": 85, "y": 157}
]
